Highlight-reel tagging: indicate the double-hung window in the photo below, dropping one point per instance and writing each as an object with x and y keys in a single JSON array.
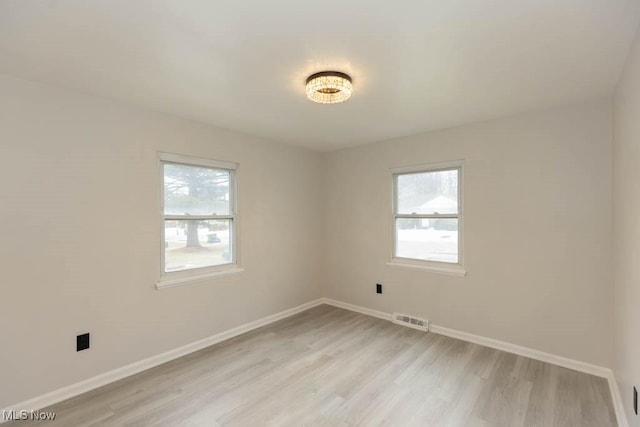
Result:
[
  {"x": 427, "y": 217},
  {"x": 199, "y": 218}
]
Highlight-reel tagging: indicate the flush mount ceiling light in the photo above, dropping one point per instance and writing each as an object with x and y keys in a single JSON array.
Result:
[{"x": 329, "y": 87}]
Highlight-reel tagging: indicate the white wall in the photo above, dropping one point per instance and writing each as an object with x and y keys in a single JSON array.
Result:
[
  {"x": 537, "y": 230},
  {"x": 79, "y": 248},
  {"x": 626, "y": 230}
]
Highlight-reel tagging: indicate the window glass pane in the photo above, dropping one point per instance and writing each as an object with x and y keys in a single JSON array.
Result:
[
  {"x": 196, "y": 190},
  {"x": 195, "y": 244},
  {"x": 428, "y": 192},
  {"x": 427, "y": 239}
]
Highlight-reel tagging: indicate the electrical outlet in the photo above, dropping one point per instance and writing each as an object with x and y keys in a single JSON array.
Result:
[
  {"x": 378, "y": 288},
  {"x": 635, "y": 400},
  {"x": 82, "y": 342}
]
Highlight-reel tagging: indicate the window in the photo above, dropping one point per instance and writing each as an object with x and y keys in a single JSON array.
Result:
[
  {"x": 199, "y": 219},
  {"x": 427, "y": 217}
]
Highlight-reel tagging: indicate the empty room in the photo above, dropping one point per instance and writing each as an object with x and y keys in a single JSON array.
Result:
[{"x": 291, "y": 213}]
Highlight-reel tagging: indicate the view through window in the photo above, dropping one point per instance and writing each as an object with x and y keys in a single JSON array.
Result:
[
  {"x": 199, "y": 215},
  {"x": 427, "y": 213}
]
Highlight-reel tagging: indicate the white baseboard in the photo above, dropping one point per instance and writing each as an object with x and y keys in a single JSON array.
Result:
[
  {"x": 89, "y": 384},
  {"x": 576, "y": 365},
  {"x": 357, "y": 308},
  {"x": 617, "y": 400},
  {"x": 531, "y": 353}
]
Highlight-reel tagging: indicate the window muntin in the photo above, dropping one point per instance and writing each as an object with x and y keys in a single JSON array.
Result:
[
  {"x": 199, "y": 215},
  {"x": 427, "y": 215}
]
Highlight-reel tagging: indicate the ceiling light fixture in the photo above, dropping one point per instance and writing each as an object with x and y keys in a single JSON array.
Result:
[{"x": 329, "y": 87}]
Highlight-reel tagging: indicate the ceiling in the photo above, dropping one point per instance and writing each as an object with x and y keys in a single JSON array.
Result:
[{"x": 242, "y": 65}]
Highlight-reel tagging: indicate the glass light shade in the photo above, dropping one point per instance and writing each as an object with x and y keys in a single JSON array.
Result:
[{"x": 329, "y": 87}]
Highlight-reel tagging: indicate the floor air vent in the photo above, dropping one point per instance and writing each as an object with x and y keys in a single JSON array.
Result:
[{"x": 410, "y": 321}]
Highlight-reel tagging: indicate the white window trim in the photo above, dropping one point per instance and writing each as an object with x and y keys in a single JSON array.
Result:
[
  {"x": 456, "y": 269},
  {"x": 191, "y": 276}
]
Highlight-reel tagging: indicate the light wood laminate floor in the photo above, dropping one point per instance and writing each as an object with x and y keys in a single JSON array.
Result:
[{"x": 332, "y": 367}]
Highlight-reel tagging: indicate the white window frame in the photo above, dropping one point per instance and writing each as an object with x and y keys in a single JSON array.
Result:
[
  {"x": 193, "y": 275},
  {"x": 425, "y": 265}
]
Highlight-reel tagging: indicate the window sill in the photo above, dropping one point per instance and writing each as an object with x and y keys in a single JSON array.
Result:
[
  {"x": 189, "y": 280},
  {"x": 454, "y": 271}
]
